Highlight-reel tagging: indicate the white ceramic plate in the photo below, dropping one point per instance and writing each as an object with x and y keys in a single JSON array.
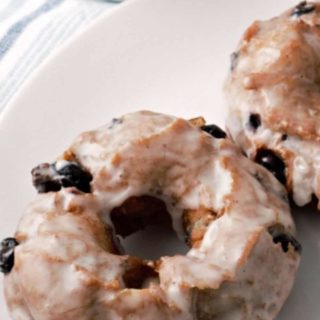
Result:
[{"x": 164, "y": 55}]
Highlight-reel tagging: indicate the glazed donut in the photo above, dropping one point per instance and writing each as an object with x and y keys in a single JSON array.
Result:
[
  {"x": 274, "y": 99},
  {"x": 66, "y": 260}
]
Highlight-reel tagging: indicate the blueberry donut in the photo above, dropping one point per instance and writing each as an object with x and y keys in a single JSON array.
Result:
[
  {"x": 274, "y": 98},
  {"x": 66, "y": 260}
]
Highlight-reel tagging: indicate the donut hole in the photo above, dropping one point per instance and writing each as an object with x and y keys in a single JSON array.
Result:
[
  {"x": 145, "y": 227},
  {"x": 154, "y": 242}
]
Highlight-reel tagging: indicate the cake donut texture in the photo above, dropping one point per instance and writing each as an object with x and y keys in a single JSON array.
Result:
[
  {"x": 67, "y": 261},
  {"x": 274, "y": 99}
]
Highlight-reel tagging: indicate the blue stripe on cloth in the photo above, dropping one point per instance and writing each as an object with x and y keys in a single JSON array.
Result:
[
  {"x": 14, "y": 32},
  {"x": 40, "y": 48},
  {"x": 52, "y": 34}
]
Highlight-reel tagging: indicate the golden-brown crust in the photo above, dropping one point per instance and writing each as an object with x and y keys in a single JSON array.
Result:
[
  {"x": 195, "y": 224},
  {"x": 198, "y": 122}
]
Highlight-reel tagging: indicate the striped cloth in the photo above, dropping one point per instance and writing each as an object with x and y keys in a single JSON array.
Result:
[{"x": 31, "y": 29}]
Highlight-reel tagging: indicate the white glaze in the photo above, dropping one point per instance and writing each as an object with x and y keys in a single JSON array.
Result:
[{"x": 66, "y": 254}]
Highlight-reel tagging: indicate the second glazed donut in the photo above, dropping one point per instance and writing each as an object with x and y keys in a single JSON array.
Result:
[{"x": 274, "y": 98}]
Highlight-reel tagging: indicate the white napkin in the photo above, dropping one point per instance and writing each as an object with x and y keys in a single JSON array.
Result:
[{"x": 32, "y": 29}]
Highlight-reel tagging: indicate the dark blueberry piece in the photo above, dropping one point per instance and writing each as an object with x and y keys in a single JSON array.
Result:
[
  {"x": 234, "y": 60},
  {"x": 7, "y": 254},
  {"x": 114, "y": 122},
  {"x": 284, "y": 137},
  {"x": 48, "y": 186},
  {"x": 52, "y": 177},
  {"x": 44, "y": 178},
  {"x": 285, "y": 240},
  {"x": 214, "y": 130},
  {"x": 74, "y": 176},
  {"x": 303, "y": 7},
  {"x": 273, "y": 163},
  {"x": 254, "y": 121}
]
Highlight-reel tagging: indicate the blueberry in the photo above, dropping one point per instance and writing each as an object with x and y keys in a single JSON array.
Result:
[
  {"x": 254, "y": 121},
  {"x": 74, "y": 176},
  {"x": 273, "y": 163},
  {"x": 302, "y": 8},
  {"x": 7, "y": 254},
  {"x": 285, "y": 240},
  {"x": 52, "y": 177},
  {"x": 114, "y": 122},
  {"x": 234, "y": 60},
  {"x": 214, "y": 130},
  {"x": 47, "y": 186}
]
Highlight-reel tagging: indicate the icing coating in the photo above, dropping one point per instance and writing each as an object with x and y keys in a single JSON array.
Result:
[
  {"x": 276, "y": 77},
  {"x": 70, "y": 264}
]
